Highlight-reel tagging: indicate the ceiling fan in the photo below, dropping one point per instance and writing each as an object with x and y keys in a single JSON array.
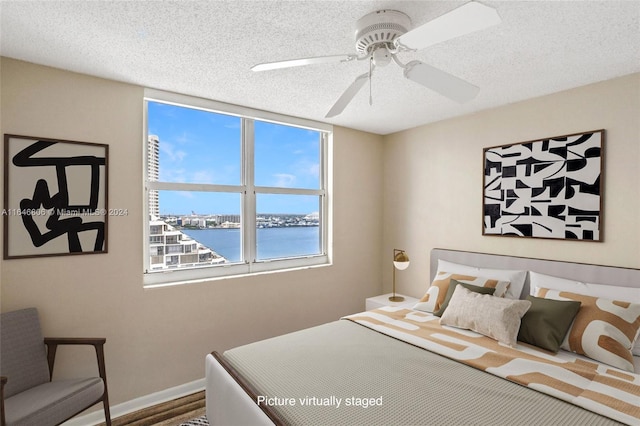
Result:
[{"x": 382, "y": 34}]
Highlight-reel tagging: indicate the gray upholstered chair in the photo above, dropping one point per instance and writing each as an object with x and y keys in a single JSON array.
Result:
[{"x": 28, "y": 396}]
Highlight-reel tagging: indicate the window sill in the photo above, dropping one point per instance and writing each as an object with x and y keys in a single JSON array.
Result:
[{"x": 172, "y": 278}]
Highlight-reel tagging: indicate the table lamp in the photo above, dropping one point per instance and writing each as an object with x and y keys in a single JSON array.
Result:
[{"x": 401, "y": 262}]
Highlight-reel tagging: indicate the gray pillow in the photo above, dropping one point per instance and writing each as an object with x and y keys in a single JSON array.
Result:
[
  {"x": 452, "y": 286},
  {"x": 495, "y": 317},
  {"x": 547, "y": 321}
]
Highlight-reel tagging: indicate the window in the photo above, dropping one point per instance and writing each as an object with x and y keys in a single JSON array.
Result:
[{"x": 231, "y": 191}]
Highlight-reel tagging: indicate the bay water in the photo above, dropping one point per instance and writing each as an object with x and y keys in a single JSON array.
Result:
[{"x": 272, "y": 242}]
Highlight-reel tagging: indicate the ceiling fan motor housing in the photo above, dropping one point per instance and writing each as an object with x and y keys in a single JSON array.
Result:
[{"x": 380, "y": 27}]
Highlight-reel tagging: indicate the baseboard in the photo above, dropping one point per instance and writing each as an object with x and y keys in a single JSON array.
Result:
[{"x": 97, "y": 417}]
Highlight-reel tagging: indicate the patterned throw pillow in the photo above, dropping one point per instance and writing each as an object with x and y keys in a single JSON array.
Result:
[
  {"x": 436, "y": 293},
  {"x": 494, "y": 317},
  {"x": 603, "y": 330},
  {"x": 452, "y": 287},
  {"x": 630, "y": 294},
  {"x": 515, "y": 277}
]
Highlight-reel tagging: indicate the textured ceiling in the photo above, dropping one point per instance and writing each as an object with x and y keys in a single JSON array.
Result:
[{"x": 206, "y": 49}]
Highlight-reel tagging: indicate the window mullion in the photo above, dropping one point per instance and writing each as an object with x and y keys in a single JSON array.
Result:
[
  {"x": 325, "y": 232},
  {"x": 292, "y": 191},
  {"x": 249, "y": 196},
  {"x": 145, "y": 188},
  {"x": 199, "y": 187}
]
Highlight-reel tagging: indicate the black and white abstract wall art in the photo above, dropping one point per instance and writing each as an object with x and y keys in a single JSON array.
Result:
[
  {"x": 55, "y": 197},
  {"x": 548, "y": 188}
]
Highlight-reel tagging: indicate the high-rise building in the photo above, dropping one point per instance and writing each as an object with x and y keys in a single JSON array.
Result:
[
  {"x": 153, "y": 161},
  {"x": 169, "y": 247}
]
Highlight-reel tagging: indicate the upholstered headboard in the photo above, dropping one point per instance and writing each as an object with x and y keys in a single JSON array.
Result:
[{"x": 597, "y": 274}]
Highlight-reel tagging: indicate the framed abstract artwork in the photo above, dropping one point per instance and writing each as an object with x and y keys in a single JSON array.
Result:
[
  {"x": 55, "y": 197},
  {"x": 547, "y": 188}
]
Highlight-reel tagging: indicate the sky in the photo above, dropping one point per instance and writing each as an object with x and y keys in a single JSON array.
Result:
[{"x": 204, "y": 147}]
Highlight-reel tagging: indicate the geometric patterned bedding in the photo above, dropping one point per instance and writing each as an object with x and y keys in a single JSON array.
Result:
[{"x": 593, "y": 386}]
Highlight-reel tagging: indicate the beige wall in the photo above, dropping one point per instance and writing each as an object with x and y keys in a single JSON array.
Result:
[
  {"x": 158, "y": 338},
  {"x": 433, "y": 179}
]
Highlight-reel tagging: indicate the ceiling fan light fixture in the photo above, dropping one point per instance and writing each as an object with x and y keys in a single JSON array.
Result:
[
  {"x": 380, "y": 27},
  {"x": 381, "y": 56}
]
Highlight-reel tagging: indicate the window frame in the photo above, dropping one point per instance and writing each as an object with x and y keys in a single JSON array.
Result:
[{"x": 248, "y": 193}]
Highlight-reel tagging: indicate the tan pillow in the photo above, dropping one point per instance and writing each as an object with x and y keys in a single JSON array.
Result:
[
  {"x": 492, "y": 316},
  {"x": 436, "y": 293},
  {"x": 603, "y": 330}
]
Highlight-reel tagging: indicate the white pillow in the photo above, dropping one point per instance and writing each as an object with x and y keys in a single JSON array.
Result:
[
  {"x": 628, "y": 294},
  {"x": 611, "y": 292},
  {"x": 495, "y": 317},
  {"x": 515, "y": 277}
]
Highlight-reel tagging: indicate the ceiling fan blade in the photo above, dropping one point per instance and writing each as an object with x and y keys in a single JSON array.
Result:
[
  {"x": 348, "y": 95},
  {"x": 442, "y": 82},
  {"x": 468, "y": 18},
  {"x": 302, "y": 61}
]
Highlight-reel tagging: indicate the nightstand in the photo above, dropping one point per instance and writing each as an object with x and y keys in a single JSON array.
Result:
[{"x": 383, "y": 300}]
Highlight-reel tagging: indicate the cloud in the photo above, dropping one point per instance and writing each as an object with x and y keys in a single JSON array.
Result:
[
  {"x": 313, "y": 170},
  {"x": 305, "y": 167},
  {"x": 183, "y": 138},
  {"x": 168, "y": 174},
  {"x": 172, "y": 154},
  {"x": 284, "y": 180},
  {"x": 202, "y": 176}
]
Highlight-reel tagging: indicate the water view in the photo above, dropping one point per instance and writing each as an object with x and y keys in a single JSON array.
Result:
[{"x": 272, "y": 242}]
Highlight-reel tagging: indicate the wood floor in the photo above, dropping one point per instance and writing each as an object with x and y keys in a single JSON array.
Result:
[{"x": 170, "y": 413}]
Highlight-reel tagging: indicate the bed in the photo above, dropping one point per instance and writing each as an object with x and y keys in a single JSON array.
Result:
[{"x": 410, "y": 366}]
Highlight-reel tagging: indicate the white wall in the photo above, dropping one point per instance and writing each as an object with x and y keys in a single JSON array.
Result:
[
  {"x": 433, "y": 179},
  {"x": 158, "y": 338}
]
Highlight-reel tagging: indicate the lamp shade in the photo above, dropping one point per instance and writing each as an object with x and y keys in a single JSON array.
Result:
[{"x": 401, "y": 260}]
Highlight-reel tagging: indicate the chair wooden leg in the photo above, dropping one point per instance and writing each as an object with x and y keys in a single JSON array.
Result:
[
  {"x": 3, "y": 381},
  {"x": 103, "y": 375},
  {"x": 107, "y": 413}
]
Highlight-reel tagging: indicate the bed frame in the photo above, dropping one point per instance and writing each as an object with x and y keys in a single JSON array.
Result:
[
  {"x": 596, "y": 274},
  {"x": 231, "y": 400}
]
